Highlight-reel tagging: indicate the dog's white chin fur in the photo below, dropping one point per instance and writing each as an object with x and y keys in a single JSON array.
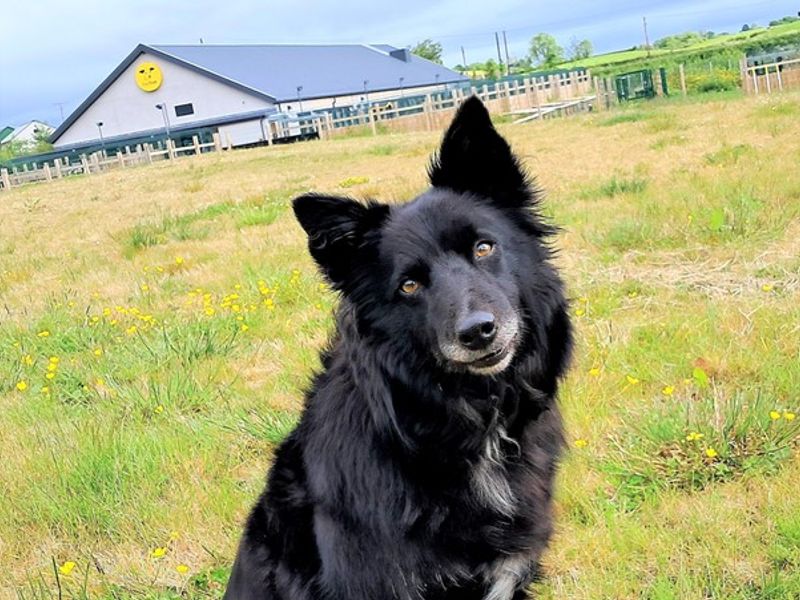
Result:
[{"x": 494, "y": 369}]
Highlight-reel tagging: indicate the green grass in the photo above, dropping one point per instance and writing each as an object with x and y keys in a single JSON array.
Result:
[
  {"x": 179, "y": 317},
  {"x": 736, "y": 41}
]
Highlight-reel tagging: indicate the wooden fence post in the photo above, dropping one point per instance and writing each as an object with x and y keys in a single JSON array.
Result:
[
  {"x": 85, "y": 165},
  {"x": 218, "y": 140},
  {"x": 744, "y": 75},
  {"x": 120, "y": 159},
  {"x": 57, "y": 165},
  {"x": 683, "y": 79},
  {"x": 597, "y": 102},
  {"x": 5, "y": 179},
  {"x": 47, "y": 174}
]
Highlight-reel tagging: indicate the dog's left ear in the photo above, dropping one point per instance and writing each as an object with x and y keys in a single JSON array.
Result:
[
  {"x": 475, "y": 158},
  {"x": 337, "y": 230}
]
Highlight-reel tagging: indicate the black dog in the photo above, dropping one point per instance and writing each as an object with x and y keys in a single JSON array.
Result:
[{"x": 422, "y": 467}]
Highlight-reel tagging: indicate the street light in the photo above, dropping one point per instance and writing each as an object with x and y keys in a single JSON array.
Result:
[
  {"x": 299, "y": 100},
  {"x": 100, "y": 130},
  {"x": 402, "y": 79},
  {"x": 366, "y": 93},
  {"x": 163, "y": 109}
]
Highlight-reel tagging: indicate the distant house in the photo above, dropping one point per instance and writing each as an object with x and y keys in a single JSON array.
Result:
[
  {"x": 25, "y": 134},
  {"x": 232, "y": 89},
  {"x": 5, "y": 132}
]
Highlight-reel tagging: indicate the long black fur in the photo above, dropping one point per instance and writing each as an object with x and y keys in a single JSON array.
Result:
[{"x": 374, "y": 496}]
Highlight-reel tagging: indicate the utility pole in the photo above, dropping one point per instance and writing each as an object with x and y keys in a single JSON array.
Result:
[
  {"x": 508, "y": 60},
  {"x": 646, "y": 37},
  {"x": 463, "y": 57},
  {"x": 497, "y": 41},
  {"x": 60, "y": 106}
]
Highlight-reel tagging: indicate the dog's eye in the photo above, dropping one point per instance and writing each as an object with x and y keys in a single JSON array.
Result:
[
  {"x": 483, "y": 249},
  {"x": 410, "y": 287}
]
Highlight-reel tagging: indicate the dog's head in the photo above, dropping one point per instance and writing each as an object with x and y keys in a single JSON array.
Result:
[{"x": 460, "y": 273}]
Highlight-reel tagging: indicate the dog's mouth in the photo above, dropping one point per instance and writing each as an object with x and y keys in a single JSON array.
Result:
[
  {"x": 494, "y": 362},
  {"x": 490, "y": 360}
]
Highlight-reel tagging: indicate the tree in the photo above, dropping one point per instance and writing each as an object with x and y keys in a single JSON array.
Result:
[
  {"x": 492, "y": 69},
  {"x": 580, "y": 49},
  {"x": 428, "y": 49},
  {"x": 545, "y": 51}
]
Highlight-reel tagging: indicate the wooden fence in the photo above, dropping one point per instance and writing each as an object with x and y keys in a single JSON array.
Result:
[
  {"x": 523, "y": 100},
  {"x": 547, "y": 97},
  {"x": 98, "y": 162},
  {"x": 772, "y": 77}
]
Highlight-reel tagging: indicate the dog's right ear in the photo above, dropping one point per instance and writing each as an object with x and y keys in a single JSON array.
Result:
[{"x": 338, "y": 230}]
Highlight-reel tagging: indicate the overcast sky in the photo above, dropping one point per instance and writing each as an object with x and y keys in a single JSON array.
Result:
[{"x": 55, "y": 51}]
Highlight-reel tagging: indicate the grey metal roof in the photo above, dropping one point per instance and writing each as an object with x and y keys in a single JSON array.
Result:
[
  {"x": 321, "y": 70},
  {"x": 273, "y": 72}
]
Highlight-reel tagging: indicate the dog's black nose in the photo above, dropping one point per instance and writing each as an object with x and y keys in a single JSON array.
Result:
[{"x": 477, "y": 330}]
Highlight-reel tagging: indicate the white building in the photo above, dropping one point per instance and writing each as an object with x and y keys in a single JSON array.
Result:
[
  {"x": 27, "y": 133},
  {"x": 233, "y": 89}
]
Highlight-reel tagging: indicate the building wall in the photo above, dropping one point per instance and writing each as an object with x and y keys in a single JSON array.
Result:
[{"x": 125, "y": 109}]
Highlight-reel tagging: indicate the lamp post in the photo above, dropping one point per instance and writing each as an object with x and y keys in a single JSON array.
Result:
[
  {"x": 402, "y": 79},
  {"x": 366, "y": 93},
  {"x": 163, "y": 109},
  {"x": 100, "y": 131},
  {"x": 299, "y": 99}
]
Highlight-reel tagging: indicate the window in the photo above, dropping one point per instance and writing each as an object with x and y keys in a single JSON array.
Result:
[{"x": 182, "y": 110}]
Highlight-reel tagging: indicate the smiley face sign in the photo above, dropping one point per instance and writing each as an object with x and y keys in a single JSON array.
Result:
[{"x": 148, "y": 76}]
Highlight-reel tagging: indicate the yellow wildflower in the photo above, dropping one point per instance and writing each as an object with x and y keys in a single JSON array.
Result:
[
  {"x": 159, "y": 552},
  {"x": 131, "y": 330},
  {"x": 66, "y": 568},
  {"x": 182, "y": 569},
  {"x": 45, "y": 389},
  {"x": 581, "y": 443},
  {"x": 44, "y": 333},
  {"x": 594, "y": 371},
  {"x": 159, "y": 409},
  {"x": 774, "y": 415},
  {"x": 711, "y": 453},
  {"x": 767, "y": 288},
  {"x": 145, "y": 287},
  {"x": 178, "y": 260},
  {"x": 50, "y": 375},
  {"x": 694, "y": 436},
  {"x": 668, "y": 390},
  {"x": 174, "y": 535},
  {"x": 631, "y": 379},
  {"x": 580, "y": 312},
  {"x": 97, "y": 351},
  {"x": 22, "y": 385},
  {"x": 27, "y": 360},
  {"x": 244, "y": 327},
  {"x": 789, "y": 416}
]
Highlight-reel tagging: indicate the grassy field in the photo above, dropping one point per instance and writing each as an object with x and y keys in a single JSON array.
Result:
[
  {"x": 720, "y": 43},
  {"x": 159, "y": 323}
]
